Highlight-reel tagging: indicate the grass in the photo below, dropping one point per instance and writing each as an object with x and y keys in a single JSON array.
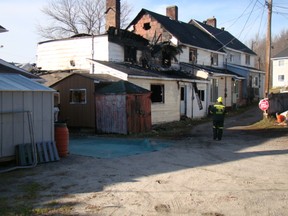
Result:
[{"x": 22, "y": 204}]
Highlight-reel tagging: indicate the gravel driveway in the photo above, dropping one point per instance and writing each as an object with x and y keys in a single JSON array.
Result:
[{"x": 244, "y": 174}]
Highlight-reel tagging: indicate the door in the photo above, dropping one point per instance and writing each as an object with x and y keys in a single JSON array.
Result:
[{"x": 183, "y": 100}]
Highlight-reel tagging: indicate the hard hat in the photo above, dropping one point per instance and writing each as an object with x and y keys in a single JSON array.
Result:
[{"x": 220, "y": 99}]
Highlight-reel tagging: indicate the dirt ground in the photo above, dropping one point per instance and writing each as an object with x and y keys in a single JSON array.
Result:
[{"x": 244, "y": 174}]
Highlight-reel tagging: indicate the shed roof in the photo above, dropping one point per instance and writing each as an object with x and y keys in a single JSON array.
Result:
[
  {"x": 6, "y": 67},
  {"x": 93, "y": 77},
  {"x": 122, "y": 87},
  {"x": 16, "y": 82}
]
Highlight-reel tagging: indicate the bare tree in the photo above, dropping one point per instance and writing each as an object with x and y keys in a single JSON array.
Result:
[
  {"x": 71, "y": 17},
  {"x": 279, "y": 43}
]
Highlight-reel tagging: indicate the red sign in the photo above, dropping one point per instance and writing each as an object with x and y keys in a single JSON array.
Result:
[{"x": 264, "y": 104}]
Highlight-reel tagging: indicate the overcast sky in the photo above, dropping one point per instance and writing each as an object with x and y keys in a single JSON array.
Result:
[{"x": 244, "y": 19}]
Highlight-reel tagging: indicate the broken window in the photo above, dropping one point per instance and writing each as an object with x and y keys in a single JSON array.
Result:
[
  {"x": 130, "y": 54},
  {"x": 192, "y": 55},
  {"x": 157, "y": 95},
  {"x": 201, "y": 94},
  {"x": 146, "y": 26},
  {"x": 77, "y": 96}
]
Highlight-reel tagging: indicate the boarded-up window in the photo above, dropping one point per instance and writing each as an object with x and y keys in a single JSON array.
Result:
[
  {"x": 157, "y": 95},
  {"x": 77, "y": 96}
]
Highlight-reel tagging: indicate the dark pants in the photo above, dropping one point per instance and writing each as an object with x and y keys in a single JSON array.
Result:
[{"x": 218, "y": 129}]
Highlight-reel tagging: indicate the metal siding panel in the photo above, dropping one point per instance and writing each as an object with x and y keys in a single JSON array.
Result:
[
  {"x": 27, "y": 106},
  {"x": 37, "y": 114},
  {"x": 7, "y": 140},
  {"x": 48, "y": 116},
  {"x": 18, "y": 118}
]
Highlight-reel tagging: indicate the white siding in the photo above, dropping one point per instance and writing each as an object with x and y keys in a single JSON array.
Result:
[
  {"x": 116, "y": 52},
  {"x": 184, "y": 56},
  {"x": 170, "y": 109},
  {"x": 280, "y": 68},
  {"x": 57, "y": 55},
  {"x": 101, "y": 51}
]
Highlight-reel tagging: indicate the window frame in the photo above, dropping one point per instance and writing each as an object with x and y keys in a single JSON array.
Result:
[
  {"x": 214, "y": 59},
  {"x": 247, "y": 59},
  {"x": 281, "y": 78},
  {"x": 72, "y": 100},
  {"x": 192, "y": 53},
  {"x": 281, "y": 63},
  {"x": 157, "y": 95}
]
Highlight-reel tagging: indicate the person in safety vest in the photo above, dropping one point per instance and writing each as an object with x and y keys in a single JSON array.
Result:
[{"x": 218, "y": 111}]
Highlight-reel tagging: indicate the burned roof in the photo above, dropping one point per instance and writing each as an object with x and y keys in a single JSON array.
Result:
[
  {"x": 184, "y": 32},
  {"x": 136, "y": 70}
]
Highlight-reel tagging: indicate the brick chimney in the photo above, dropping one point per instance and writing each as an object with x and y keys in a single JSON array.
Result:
[
  {"x": 112, "y": 14},
  {"x": 212, "y": 22},
  {"x": 172, "y": 12}
]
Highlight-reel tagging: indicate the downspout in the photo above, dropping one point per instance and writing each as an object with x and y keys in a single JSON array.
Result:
[
  {"x": 192, "y": 101},
  {"x": 92, "y": 54},
  {"x": 225, "y": 90}
]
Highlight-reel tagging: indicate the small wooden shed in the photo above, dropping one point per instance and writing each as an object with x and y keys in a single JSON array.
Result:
[
  {"x": 77, "y": 98},
  {"x": 26, "y": 112},
  {"x": 123, "y": 108}
]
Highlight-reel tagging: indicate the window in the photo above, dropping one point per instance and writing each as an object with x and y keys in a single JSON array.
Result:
[
  {"x": 236, "y": 87},
  {"x": 231, "y": 58},
  {"x": 255, "y": 82},
  {"x": 182, "y": 95},
  {"x": 130, "y": 54},
  {"x": 281, "y": 78},
  {"x": 77, "y": 96},
  {"x": 192, "y": 55},
  {"x": 281, "y": 63},
  {"x": 201, "y": 94},
  {"x": 214, "y": 59},
  {"x": 247, "y": 59},
  {"x": 157, "y": 95}
]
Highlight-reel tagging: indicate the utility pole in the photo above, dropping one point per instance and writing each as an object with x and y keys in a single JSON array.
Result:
[{"x": 268, "y": 48}]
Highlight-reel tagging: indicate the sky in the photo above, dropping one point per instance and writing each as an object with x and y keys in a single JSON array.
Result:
[{"x": 244, "y": 19}]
